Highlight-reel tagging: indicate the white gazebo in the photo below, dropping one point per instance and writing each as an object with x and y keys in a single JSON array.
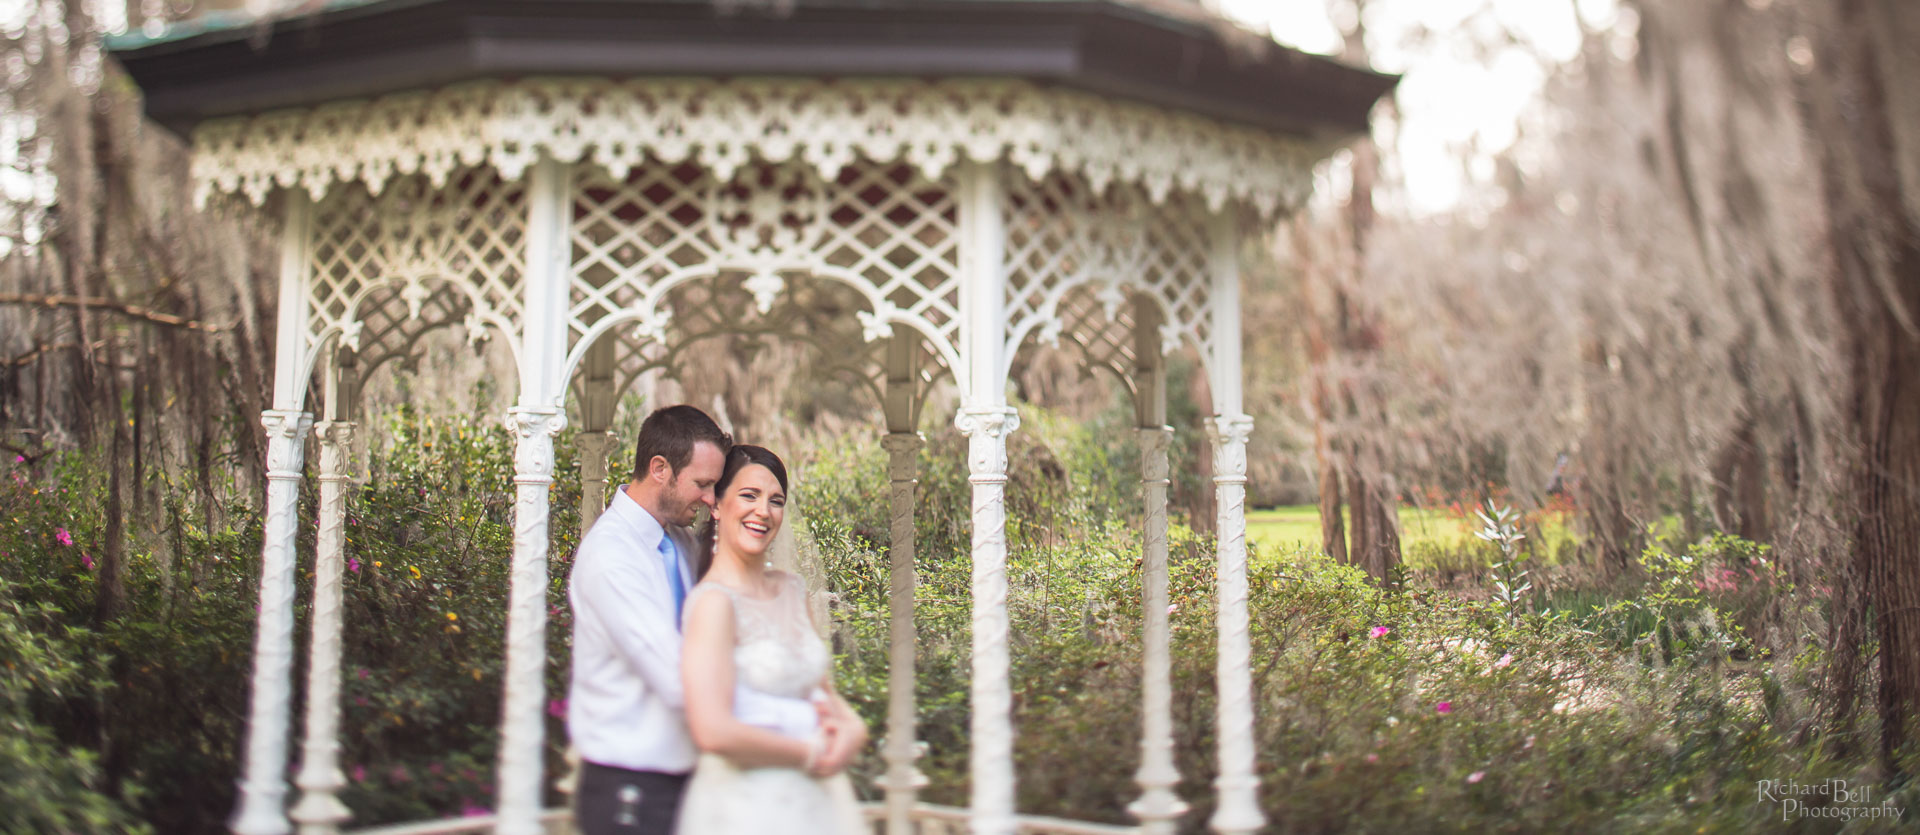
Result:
[{"x": 922, "y": 187}]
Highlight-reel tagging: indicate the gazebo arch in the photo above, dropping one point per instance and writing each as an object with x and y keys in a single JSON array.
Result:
[{"x": 979, "y": 174}]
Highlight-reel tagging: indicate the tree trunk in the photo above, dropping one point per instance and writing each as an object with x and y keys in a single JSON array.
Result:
[{"x": 1877, "y": 287}]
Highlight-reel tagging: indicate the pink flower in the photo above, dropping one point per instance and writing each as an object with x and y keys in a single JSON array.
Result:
[
  {"x": 1505, "y": 660},
  {"x": 19, "y": 459},
  {"x": 399, "y": 774},
  {"x": 1373, "y": 758},
  {"x": 1443, "y": 707},
  {"x": 86, "y": 562},
  {"x": 1476, "y": 777},
  {"x": 61, "y": 536},
  {"x": 1172, "y": 607},
  {"x": 362, "y": 674},
  {"x": 1529, "y": 743},
  {"x": 469, "y": 809},
  {"x": 359, "y": 774},
  {"x": 1379, "y": 632},
  {"x": 353, "y": 564},
  {"x": 557, "y": 707},
  {"x": 435, "y": 769}
]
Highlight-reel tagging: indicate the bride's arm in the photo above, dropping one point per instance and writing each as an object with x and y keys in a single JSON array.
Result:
[{"x": 706, "y": 668}]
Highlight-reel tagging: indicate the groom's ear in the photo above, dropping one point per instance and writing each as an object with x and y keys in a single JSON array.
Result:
[{"x": 659, "y": 469}]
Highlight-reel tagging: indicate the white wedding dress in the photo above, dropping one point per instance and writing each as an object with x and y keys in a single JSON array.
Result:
[{"x": 778, "y": 653}]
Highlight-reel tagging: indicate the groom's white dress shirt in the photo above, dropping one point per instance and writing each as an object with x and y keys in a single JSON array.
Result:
[{"x": 626, "y": 707}]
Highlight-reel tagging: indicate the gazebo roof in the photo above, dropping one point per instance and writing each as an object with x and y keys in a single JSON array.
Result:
[{"x": 1151, "y": 52}]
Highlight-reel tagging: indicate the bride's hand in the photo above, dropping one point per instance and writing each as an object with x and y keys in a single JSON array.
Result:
[{"x": 820, "y": 761}]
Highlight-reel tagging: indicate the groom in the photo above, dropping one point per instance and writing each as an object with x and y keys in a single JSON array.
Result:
[{"x": 625, "y": 708}]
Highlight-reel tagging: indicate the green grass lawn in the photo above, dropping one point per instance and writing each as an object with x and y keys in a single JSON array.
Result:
[
  {"x": 1428, "y": 538},
  {"x": 1298, "y": 526}
]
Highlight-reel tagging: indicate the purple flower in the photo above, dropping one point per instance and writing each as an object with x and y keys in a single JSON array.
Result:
[
  {"x": 19, "y": 459},
  {"x": 353, "y": 564},
  {"x": 61, "y": 536},
  {"x": 362, "y": 673},
  {"x": 1378, "y": 632},
  {"x": 1443, "y": 707},
  {"x": 557, "y": 708},
  {"x": 86, "y": 562},
  {"x": 1504, "y": 661},
  {"x": 359, "y": 774},
  {"x": 469, "y": 809}
]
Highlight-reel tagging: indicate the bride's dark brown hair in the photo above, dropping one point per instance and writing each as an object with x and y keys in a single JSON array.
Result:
[{"x": 738, "y": 458}]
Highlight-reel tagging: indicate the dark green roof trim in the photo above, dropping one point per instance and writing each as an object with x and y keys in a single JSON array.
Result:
[{"x": 228, "y": 65}]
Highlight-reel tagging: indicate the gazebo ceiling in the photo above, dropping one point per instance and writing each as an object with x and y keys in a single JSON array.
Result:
[{"x": 221, "y": 67}]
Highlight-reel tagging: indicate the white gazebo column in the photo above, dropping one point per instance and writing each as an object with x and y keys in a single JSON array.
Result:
[
  {"x": 535, "y": 422},
  {"x": 1159, "y": 808},
  {"x": 594, "y": 443},
  {"x": 904, "y": 781},
  {"x": 903, "y": 444},
  {"x": 1238, "y": 784},
  {"x": 987, "y": 421},
  {"x": 263, "y": 782},
  {"x": 320, "y": 811}
]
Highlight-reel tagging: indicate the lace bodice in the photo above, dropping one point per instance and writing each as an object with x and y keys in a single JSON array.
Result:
[{"x": 776, "y": 650}]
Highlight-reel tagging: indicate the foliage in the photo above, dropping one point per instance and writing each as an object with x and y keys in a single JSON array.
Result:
[
  {"x": 429, "y": 540},
  {"x": 44, "y": 785},
  {"x": 1510, "y": 583},
  {"x": 1377, "y": 707}
]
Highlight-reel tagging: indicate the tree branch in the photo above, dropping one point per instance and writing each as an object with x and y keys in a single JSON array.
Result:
[{"x": 133, "y": 311}]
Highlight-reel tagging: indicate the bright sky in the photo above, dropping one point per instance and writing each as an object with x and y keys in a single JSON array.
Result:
[{"x": 1456, "y": 107}]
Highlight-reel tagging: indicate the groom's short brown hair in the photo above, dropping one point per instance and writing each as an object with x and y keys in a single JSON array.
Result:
[{"x": 671, "y": 433}]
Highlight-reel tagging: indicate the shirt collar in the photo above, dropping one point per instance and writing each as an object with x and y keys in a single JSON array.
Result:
[{"x": 641, "y": 520}]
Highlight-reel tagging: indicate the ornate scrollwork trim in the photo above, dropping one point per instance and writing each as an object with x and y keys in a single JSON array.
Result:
[{"x": 724, "y": 125}]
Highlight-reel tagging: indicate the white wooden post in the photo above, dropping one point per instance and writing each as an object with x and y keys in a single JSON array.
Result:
[
  {"x": 594, "y": 443},
  {"x": 535, "y": 422},
  {"x": 1238, "y": 784},
  {"x": 987, "y": 421},
  {"x": 1159, "y": 808},
  {"x": 320, "y": 811},
  {"x": 904, "y": 781},
  {"x": 263, "y": 784}
]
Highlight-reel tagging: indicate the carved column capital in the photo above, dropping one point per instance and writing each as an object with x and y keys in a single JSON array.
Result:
[
  {"x": 1154, "y": 443},
  {"x": 535, "y": 429},
  {"x": 336, "y": 449},
  {"x": 1229, "y": 434},
  {"x": 987, "y": 430},
  {"x": 903, "y": 450},
  {"x": 993, "y": 422},
  {"x": 286, "y": 442},
  {"x": 594, "y": 447}
]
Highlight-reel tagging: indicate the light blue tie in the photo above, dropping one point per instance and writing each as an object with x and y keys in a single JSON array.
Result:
[{"x": 671, "y": 556}]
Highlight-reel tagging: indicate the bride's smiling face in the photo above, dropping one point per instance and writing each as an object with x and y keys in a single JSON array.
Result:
[{"x": 749, "y": 514}]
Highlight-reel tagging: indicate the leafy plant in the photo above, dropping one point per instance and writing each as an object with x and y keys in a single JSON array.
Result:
[{"x": 1499, "y": 525}]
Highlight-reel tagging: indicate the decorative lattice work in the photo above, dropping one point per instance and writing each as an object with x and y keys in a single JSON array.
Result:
[
  {"x": 380, "y": 263},
  {"x": 389, "y": 330},
  {"x": 1104, "y": 340},
  {"x": 1074, "y": 254},
  {"x": 885, "y": 234}
]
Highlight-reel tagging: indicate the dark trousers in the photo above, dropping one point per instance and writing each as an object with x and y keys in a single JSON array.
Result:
[{"x": 617, "y": 801}]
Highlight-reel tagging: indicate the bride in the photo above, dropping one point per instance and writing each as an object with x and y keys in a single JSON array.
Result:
[{"x": 747, "y": 628}]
